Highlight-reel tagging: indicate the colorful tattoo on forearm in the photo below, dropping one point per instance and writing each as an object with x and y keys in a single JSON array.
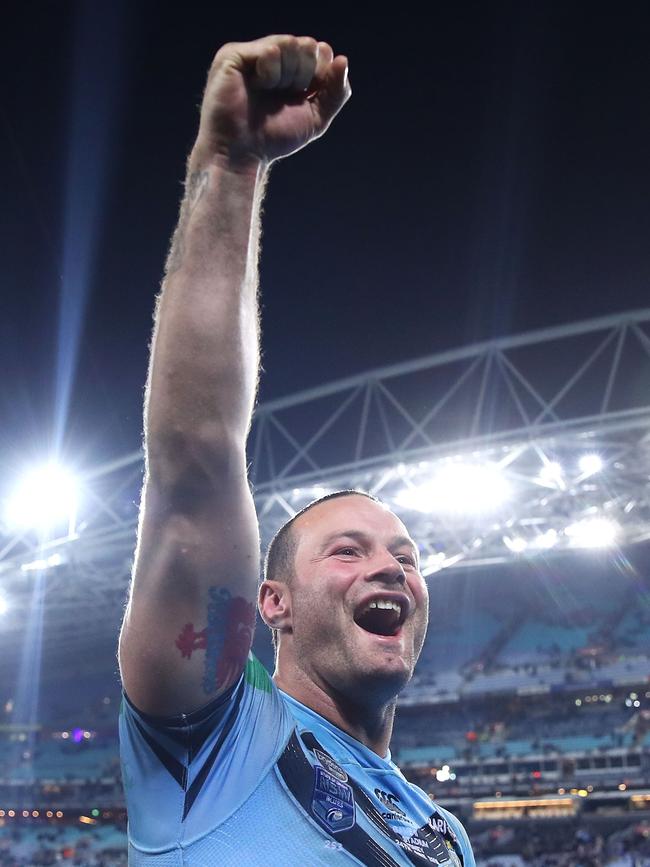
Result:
[{"x": 226, "y": 639}]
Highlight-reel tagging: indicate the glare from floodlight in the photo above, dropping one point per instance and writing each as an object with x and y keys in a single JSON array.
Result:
[
  {"x": 3, "y": 605},
  {"x": 544, "y": 541},
  {"x": 46, "y": 563},
  {"x": 45, "y": 499},
  {"x": 551, "y": 476},
  {"x": 590, "y": 464},
  {"x": 433, "y": 563},
  {"x": 443, "y": 774},
  {"x": 592, "y": 533},
  {"x": 515, "y": 544},
  {"x": 458, "y": 488}
]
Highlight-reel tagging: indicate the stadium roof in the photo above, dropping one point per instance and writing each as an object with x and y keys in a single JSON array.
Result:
[{"x": 513, "y": 448}]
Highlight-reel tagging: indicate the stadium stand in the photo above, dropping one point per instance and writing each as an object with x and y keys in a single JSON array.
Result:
[{"x": 529, "y": 717}]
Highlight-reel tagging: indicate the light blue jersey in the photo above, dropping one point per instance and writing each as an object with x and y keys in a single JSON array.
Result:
[{"x": 258, "y": 778}]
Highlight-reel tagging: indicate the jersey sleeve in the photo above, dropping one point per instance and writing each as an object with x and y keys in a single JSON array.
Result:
[{"x": 184, "y": 775}]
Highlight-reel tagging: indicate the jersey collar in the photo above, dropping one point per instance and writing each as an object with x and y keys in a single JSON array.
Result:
[{"x": 342, "y": 746}]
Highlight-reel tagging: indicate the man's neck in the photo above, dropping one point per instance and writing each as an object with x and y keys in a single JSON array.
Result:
[{"x": 371, "y": 726}]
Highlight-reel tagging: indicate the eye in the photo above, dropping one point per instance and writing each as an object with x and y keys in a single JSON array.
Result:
[
  {"x": 346, "y": 552},
  {"x": 406, "y": 559}
]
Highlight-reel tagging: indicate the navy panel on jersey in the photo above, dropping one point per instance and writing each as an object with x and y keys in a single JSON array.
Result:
[{"x": 257, "y": 777}]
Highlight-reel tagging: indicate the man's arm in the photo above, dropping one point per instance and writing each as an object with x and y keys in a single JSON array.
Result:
[{"x": 188, "y": 625}]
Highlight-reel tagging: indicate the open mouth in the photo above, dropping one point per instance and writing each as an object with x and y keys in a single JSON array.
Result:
[{"x": 381, "y": 616}]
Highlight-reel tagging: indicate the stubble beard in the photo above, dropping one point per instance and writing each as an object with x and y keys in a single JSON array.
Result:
[
  {"x": 341, "y": 659},
  {"x": 337, "y": 656}
]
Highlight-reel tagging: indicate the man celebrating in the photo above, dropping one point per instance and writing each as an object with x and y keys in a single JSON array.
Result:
[{"x": 223, "y": 765}]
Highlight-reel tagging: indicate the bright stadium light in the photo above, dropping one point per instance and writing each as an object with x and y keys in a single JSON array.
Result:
[
  {"x": 544, "y": 541},
  {"x": 433, "y": 563},
  {"x": 55, "y": 559},
  {"x": 592, "y": 533},
  {"x": 590, "y": 464},
  {"x": 515, "y": 544},
  {"x": 458, "y": 488},
  {"x": 551, "y": 476},
  {"x": 46, "y": 498}
]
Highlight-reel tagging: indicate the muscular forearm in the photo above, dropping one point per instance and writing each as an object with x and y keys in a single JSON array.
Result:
[{"x": 204, "y": 358}]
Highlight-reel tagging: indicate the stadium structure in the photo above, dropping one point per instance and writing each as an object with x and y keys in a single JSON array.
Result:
[{"x": 522, "y": 468}]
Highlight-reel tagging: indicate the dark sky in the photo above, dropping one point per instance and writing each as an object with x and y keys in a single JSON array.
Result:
[{"x": 489, "y": 176}]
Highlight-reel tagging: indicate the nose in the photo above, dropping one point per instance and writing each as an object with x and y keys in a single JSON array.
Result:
[{"x": 384, "y": 567}]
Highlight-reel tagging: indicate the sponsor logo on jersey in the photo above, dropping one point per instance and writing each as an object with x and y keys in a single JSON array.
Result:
[
  {"x": 388, "y": 799},
  {"x": 330, "y": 765},
  {"x": 441, "y": 826}
]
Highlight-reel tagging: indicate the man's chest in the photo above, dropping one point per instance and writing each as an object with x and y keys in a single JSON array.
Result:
[{"x": 368, "y": 811}]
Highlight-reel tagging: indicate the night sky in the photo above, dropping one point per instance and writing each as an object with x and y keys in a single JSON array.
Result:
[{"x": 490, "y": 175}]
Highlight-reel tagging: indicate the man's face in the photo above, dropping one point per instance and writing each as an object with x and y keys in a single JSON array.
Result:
[{"x": 359, "y": 602}]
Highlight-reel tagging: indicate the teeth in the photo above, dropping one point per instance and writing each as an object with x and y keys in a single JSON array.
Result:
[{"x": 385, "y": 603}]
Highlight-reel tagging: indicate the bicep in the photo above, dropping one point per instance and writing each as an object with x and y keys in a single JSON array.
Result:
[{"x": 189, "y": 621}]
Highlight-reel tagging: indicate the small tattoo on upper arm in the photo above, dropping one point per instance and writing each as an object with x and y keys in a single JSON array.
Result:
[
  {"x": 189, "y": 640},
  {"x": 226, "y": 639}
]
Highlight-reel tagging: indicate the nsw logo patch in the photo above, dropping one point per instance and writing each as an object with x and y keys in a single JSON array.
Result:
[{"x": 332, "y": 801}]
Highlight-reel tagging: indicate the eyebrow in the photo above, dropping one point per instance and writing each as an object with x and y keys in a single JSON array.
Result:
[{"x": 360, "y": 536}]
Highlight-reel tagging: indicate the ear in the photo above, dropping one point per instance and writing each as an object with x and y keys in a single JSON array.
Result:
[{"x": 274, "y": 604}]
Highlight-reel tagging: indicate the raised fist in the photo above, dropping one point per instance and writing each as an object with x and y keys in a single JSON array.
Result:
[{"x": 268, "y": 98}]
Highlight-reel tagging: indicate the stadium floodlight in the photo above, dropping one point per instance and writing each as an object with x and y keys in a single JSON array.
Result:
[
  {"x": 55, "y": 559},
  {"x": 551, "y": 475},
  {"x": 592, "y": 533},
  {"x": 458, "y": 488},
  {"x": 546, "y": 540},
  {"x": 46, "y": 498},
  {"x": 433, "y": 563},
  {"x": 590, "y": 464},
  {"x": 515, "y": 544}
]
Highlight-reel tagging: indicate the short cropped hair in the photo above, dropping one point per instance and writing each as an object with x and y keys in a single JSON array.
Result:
[{"x": 279, "y": 563}]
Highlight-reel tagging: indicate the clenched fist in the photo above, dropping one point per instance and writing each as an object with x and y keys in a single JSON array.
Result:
[{"x": 268, "y": 98}]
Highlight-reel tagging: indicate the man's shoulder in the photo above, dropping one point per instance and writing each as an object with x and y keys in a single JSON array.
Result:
[
  {"x": 185, "y": 774},
  {"x": 256, "y": 675}
]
